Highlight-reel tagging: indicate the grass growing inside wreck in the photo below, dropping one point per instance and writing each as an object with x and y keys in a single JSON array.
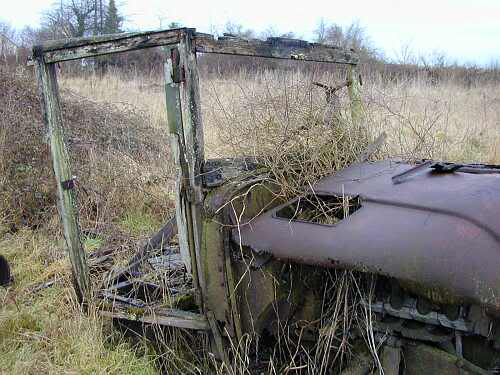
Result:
[
  {"x": 92, "y": 243},
  {"x": 139, "y": 223},
  {"x": 42, "y": 328},
  {"x": 129, "y": 174}
]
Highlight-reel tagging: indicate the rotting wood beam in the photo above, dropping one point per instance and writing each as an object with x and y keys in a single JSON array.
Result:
[
  {"x": 279, "y": 48},
  {"x": 164, "y": 317},
  {"x": 78, "y": 48},
  {"x": 174, "y": 119},
  {"x": 64, "y": 179},
  {"x": 354, "y": 88},
  {"x": 160, "y": 239},
  {"x": 192, "y": 128}
]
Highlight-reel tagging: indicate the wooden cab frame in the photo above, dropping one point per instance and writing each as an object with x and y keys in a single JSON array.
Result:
[{"x": 185, "y": 125}]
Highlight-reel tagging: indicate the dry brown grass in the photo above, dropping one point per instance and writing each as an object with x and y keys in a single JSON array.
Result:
[
  {"x": 122, "y": 158},
  {"x": 447, "y": 121},
  {"x": 282, "y": 119},
  {"x": 261, "y": 113},
  {"x": 123, "y": 192},
  {"x": 44, "y": 330}
]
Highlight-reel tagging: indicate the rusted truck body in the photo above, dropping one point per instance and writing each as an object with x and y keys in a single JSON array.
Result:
[
  {"x": 436, "y": 231},
  {"x": 420, "y": 240},
  {"x": 426, "y": 233}
]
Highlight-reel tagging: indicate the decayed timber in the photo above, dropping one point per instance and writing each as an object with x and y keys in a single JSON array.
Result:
[
  {"x": 357, "y": 111},
  {"x": 64, "y": 179},
  {"x": 174, "y": 119},
  {"x": 216, "y": 172},
  {"x": 373, "y": 147},
  {"x": 159, "y": 240},
  {"x": 280, "y": 48},
  {"x": 165, "y": 317},
  {"x": 192, "y": 128},
  {"x": 78, "y": 48}
]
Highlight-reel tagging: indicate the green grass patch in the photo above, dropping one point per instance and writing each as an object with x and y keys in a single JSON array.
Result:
[
  {"x": 45, "y": 332},
  {"x": 92, "y": 243},
  {"x": 139, "y": 223}
]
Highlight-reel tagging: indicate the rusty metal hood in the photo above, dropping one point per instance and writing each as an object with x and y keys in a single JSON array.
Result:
[{"x": 436, "y": 228}]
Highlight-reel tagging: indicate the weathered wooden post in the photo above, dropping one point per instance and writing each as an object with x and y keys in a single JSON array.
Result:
[
  {"x": 186, "y": 129},
  {"x": 193, "y": 138},
  {"x": 357, "y": 111},
  {"x": 184, "y": 119},
  {"x": 174, "y": 119},
  {"x": 65, "y": 181}
]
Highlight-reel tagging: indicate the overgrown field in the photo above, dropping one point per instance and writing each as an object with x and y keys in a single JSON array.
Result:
[{"x": 117, "y": 135}]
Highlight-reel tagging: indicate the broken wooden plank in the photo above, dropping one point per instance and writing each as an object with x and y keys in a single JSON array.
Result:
[
  {"x": 279, "y": 48},
  {"x": 78, "y": 48},
  {"x": 65, "y": 180},
  {"x": 186, "y": 134},
  {"x": 192, "y": 129},
  {"x": 43, "y": 286},
  {"x": 114, "y": 298},
  {"x": 177, "y": 144},
  {"x": 357, "y": 110},
  {"x": 157, "y": 242},
  {"x": 165, "y": 317},
  {"x": 216, "y": 339},
  {"x": 216, "y": 172},
  {"x": 163, "y": 236},
  {"x": 372, "y": 148}
]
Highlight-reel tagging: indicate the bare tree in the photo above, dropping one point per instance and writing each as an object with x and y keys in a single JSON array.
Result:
[
  {"x": 405, "y": 55},
  {"x": 238, "y": 30},
  {"x": 8, "y": 43},
  {"x": 351, "y": 37},
  {"x": 272, "y": 32},
  {"x": 70, "y": 18},
  {"x": 320, "y": 32}
]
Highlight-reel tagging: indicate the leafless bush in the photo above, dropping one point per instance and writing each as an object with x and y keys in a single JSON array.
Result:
[
  {"x": 283, "y": 121},
  {"x": 117, "y": 156}
]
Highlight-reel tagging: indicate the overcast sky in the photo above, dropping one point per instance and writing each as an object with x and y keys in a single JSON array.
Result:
[{"x": 465, "y": 30}]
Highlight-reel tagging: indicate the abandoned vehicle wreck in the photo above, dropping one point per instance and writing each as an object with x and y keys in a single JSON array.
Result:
[{"x": 418, "y": 242}]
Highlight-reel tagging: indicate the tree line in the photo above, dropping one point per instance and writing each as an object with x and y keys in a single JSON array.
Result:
[{"x": 78, "y": 18}]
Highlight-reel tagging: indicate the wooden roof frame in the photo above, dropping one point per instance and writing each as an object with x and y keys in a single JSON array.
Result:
[
  {"x": 281, "y": 48},
  {"x": 184, "y": 122}
]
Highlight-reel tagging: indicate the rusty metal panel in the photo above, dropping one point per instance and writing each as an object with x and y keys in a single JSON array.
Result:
[{"x": 434, "y": 230}]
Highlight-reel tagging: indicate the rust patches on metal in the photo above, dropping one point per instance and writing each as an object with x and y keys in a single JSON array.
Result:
[{"x": 438, "y": 231}]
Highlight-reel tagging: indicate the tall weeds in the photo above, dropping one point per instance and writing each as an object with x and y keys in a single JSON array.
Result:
[{"x": 117, "y": 132}]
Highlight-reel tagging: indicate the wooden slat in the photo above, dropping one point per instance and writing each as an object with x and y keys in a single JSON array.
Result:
[
  {"x": 174, "y": 119},
  {"x": 357, "y": 110},
  {"x": 64, "y": 179},
  {"x": 165, "y": 317},
  {"x": 193, "y": 145},
  {"x": 78, "y": 48},
  {"x": 218, "y": 342},
  {"x": 280, "y": 48},
  {"x": 159, "y": 240}
]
